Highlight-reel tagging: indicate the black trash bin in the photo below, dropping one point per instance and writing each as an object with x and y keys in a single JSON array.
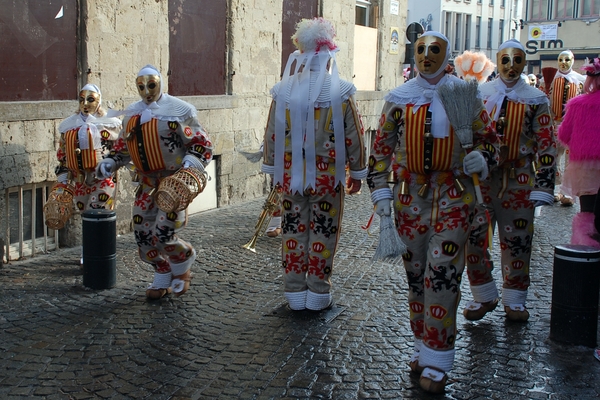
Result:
[
  {"x": 575, "y": 288},
  {"x": 99, "y": 249}
]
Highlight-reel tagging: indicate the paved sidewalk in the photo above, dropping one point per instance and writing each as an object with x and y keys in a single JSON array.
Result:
[{"x": 229, "y": 337}]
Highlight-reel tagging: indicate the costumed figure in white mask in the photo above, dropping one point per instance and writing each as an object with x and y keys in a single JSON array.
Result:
[
  {"x": 85, "y": 138},
  {"x": 524, "y": 179},
  {"x": 433, "y": 199},
  {"x": 565, "y": 85},
  {"x": 160, "y": 135},
  {"x": 314, "y": 130}
]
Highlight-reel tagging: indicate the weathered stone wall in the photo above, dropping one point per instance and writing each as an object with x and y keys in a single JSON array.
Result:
[{"x": 124, "y": 35}]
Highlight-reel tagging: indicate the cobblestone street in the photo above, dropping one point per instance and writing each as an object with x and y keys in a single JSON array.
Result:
[{"x": 230, "y": 337}]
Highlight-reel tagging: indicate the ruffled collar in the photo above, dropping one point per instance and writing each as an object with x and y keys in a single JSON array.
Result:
[
  {"x": 495, "y": 91},
  {"x": 167, "y": 108}
]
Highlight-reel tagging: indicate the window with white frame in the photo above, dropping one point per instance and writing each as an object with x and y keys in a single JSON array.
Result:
[
  {"x": 590, "y": 8},
  {"x": 538, "y": 10},
  {"x": 564, "y": 8},
  {"x": 366, "y": 13},
  {"x": 457, "y": 32},
  {"x": 478, "y": 32},
  {"x": 447, "y": 23},
  {"x": 467, "y": 32},
  {"x": 489, "y": 32},
  {"x": 501, "y": 32}
]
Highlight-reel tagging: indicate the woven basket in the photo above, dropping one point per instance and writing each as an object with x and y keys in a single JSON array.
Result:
[
  {"x": 59, "y": 207},
  {"x": 177, "y": 191}
]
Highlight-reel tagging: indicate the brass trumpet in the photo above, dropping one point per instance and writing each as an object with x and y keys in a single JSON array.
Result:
[{"x": 272, "y": 203}]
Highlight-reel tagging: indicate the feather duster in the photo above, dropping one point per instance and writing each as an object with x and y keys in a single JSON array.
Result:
[
  {"x": 473, "y": 66},
  {"x": 390, "y": 245},
  {"x": 460, "y": 101}
]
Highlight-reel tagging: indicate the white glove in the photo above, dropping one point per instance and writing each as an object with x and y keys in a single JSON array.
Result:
[
  {"x": 63, "y": 178},
  {"x": 106, "y": 168},
  {"x": 474, "y": 163},
  {"x": 382, "y": 207}
]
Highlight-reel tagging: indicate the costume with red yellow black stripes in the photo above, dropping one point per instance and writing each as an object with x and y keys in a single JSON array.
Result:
[
  {"x": 524, "y": 178},
  {"x": 161, "y": 134},
  {"x": 433, "y": 201}
]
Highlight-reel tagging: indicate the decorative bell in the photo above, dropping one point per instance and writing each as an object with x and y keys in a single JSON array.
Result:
[
  {"x": 391, "y": 178},
  {"x": 512, "y": 174},
  {"x": 403, "y": 188},
  {"x": 423, "y": 191}
]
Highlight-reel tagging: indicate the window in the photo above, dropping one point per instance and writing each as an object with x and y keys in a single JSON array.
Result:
[
  {"x": 479, "y": 1},
  {"x": 590, "y": 8},
  {"x": 447, "y": 23},
  {"x": 489, "y": 33},
  {"x": 366, "y": 14},
  {"x": 502, "y": 3},
  {"x": 564, "y": 8},
  {"x": 478, "y": 32},
  {"x": 39, "y": 49},
  {"x": 491, "y": 2},
  {"x": 197, "y": 47},
  {"x": 539, "y": 10},
  {"x": 501, "y": 33},
  {"x": 457, "y": 31},
  {"x": 467, "y": 32}
]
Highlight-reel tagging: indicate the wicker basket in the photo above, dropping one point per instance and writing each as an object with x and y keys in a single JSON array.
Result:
[
  {"x": 177, "y": 191},
  {"x": 59, "y": 207}
]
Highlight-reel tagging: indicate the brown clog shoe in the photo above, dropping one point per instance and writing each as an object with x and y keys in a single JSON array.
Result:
[{"x": 475, "y": 314}]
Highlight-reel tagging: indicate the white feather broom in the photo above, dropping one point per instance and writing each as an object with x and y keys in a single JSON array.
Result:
[
  {"x": 461, "y": 103},
  {"x": 390, "y": 245}
]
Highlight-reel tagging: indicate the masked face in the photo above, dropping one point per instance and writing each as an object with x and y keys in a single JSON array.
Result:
[
  {"x": 565, "y": 61},
  {"x": 511, "y": 62},
  {"x": 532, "y": 80},
  {"x": 88, "y": 102},
  {"x": 430, "y": 53},
  {"x": 148, "y": 87}
]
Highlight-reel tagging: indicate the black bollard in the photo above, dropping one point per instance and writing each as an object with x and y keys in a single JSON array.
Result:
[
  {"x": 99, "y": 249},
  {"x": 575, "y": 288}
]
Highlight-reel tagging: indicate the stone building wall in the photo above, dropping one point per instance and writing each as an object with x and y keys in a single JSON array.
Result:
[{"x": 121, "y": 36}]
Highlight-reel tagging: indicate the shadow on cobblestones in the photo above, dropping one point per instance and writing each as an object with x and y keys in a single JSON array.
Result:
[{"x": 230, "y": 337}]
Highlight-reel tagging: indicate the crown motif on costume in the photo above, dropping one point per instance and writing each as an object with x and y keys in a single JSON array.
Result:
[
  {"x": 591, "y": 68},
  {"x": 314, "y": 34}
]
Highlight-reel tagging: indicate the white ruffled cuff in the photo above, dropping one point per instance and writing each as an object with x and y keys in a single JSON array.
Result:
[
  {"x": 362, "y": 174},
  {"x": 178, "y": 269},
  {"x": 296, "y": 300},
  {"x": 267, "y": 169},
  {"x": 381, "y": 194},
  {"x": 538, "y": 195},
  {"x": 192, "y": 161},
  {"x": 513, "y": 296},
  {"x": 161, "y": 281},
  {"x": 438, "y": 359},
  {"x": 484, "y": 293}
]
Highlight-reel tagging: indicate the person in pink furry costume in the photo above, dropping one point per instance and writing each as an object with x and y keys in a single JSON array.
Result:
[{"x": 580, "y": 133}]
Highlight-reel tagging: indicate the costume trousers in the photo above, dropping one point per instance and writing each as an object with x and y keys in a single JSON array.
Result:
[
  {"x": 155, "y": 233},
  {"x": 98, "y": 194},
  {"x": 311, "y": 229},
  {"x": 435, "y": 230},
  {"x": 508, "y": 206}
]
